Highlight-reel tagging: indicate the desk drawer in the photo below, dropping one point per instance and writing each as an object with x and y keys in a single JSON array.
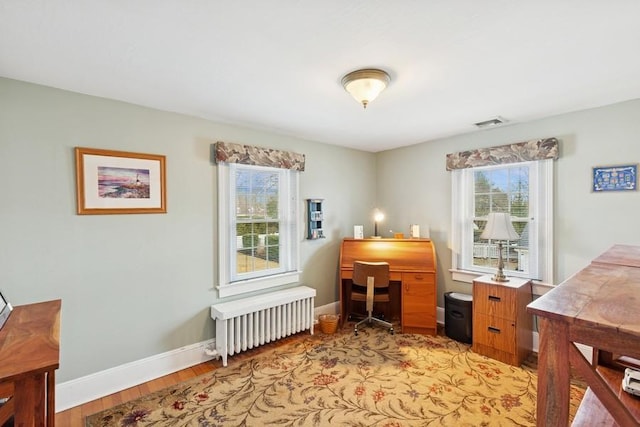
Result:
[
  {"x": 494, "y": 332},
  {"x": 427, "y": 278},
  {"x": 494, "y": 300}
]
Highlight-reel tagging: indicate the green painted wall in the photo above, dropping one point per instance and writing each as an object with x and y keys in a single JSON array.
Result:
[
  {"x": 414, "y": 186},
  {"x": 134, "y": 286}
]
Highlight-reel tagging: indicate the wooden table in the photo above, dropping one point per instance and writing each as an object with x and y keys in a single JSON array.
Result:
[
  {"x": 599, "y": 307},
  {"x": 29, "y": 355}
]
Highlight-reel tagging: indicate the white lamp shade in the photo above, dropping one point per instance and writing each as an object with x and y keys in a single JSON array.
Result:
[
  {"x": 499, "y": 227},
  {"x": 365, "y": 85}
]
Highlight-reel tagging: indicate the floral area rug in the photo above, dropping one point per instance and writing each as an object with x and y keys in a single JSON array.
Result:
[{"x": 374, "y": 379}]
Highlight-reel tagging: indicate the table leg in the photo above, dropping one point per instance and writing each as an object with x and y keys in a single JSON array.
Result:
[
  {"x": 344, "y": 303},
  {"x": 51, "y": 399},
  {"x": 553, "y": 374},
  {"x": 29, "y": 397}
]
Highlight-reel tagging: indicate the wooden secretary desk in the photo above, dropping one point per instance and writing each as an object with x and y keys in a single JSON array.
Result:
[{"x": 412, "y": 265}]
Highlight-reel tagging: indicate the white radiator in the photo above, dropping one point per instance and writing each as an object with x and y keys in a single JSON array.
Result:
[{"x": 250, "y": 322}]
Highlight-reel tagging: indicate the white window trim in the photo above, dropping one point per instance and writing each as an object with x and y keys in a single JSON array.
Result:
[
  {"x": 545, "y": 214},
  {"x": 225, "y": 287}
]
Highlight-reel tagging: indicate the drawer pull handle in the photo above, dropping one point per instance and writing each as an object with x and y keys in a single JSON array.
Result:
[
  {"x": 494, "y": 299},
  {"x": 493, "y": 330}
]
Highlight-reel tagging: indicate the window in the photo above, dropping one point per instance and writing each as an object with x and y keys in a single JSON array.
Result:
[
  {"x": 525, "y": 191},
  {"x": 257, "y": 227}
]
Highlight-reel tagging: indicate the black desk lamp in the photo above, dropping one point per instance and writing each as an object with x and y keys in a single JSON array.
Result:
[{"x": 377, "y": 217}]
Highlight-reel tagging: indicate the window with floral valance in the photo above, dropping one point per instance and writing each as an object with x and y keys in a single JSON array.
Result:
[
  {"x": 514, "y": 178},
  {"x": 257, "y": 217}
]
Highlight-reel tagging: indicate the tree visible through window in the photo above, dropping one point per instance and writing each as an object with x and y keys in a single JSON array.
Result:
[
  {"x": 502, "y": 190},
  {"x": 257, "y": 224},
  {"x": 257, "y": 220},
  {"x": 523, "y": 190}
]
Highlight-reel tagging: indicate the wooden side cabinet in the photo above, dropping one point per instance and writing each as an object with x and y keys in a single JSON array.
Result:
[
  {"x": 502, "y": 328},
  {"x": 418, "y": 303}
]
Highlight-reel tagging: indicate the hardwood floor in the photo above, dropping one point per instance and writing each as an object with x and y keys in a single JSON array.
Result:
[{"x": 75, "y": 416}]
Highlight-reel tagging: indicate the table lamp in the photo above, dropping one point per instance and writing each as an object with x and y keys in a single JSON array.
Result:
[
  {"x": 499, "y": 227},
  {"x": 377, "y": 217}
]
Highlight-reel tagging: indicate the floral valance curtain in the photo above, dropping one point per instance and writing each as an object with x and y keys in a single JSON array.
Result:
[
  {"x": 258, "y": 156},
  {"x": 537, "y": 149}
]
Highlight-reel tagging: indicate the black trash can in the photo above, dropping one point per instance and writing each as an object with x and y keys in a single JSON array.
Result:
[{"x": 458, "y": 316}]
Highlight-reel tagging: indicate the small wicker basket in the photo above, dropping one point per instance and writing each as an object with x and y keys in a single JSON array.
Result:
[{"x": 328, "y": 323}]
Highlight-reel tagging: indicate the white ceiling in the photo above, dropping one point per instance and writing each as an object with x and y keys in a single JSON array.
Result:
[{"x": 277, "y": 64}]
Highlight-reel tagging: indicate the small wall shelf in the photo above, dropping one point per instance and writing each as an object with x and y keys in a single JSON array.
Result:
[{"x": 314, "y": 219}]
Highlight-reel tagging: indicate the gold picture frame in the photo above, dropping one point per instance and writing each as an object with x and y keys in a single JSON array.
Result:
[{"x": 119, "y": 182}]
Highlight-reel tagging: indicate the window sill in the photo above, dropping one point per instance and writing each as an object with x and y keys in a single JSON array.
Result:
[
  {"x": 246, "y": 286},
  {"x": 464, "y": 275},
  {"x": 539, "y": 288}
]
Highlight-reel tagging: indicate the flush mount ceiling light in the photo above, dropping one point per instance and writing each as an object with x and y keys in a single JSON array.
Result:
[{"x": 365, "y": 85}]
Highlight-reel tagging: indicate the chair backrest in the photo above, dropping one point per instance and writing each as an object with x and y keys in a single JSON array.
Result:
[{"x": 378, "y": 270}]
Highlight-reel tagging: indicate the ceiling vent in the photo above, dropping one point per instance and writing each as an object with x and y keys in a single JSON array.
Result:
[{"x": 496, "y": 121}]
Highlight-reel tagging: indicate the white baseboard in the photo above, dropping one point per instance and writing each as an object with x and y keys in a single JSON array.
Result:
[
  {"x": 94, "y": 386},
  {"x": 332, "y": 308},
  {"x": 85, "y": 389}
]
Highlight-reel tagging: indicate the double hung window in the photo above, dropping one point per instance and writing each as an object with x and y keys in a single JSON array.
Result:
[
  {"x": 524, "y": 190},
  {"x": 257, "y": 227}
]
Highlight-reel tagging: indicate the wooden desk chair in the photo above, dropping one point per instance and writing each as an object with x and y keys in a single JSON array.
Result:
[{"x": 371, "y": 285}]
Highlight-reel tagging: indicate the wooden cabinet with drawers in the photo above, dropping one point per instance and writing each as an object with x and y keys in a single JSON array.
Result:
[
  {"x": 418, "y": 303},
  {"x": 502, "y": 328}
]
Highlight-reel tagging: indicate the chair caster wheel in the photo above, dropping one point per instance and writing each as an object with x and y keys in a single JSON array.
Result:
[
  {"x": 392, "y": 332},
  {"x": 355, "y": 332}
]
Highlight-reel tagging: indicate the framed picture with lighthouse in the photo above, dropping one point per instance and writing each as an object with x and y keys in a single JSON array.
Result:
[{"x": 119, "y": 182}]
